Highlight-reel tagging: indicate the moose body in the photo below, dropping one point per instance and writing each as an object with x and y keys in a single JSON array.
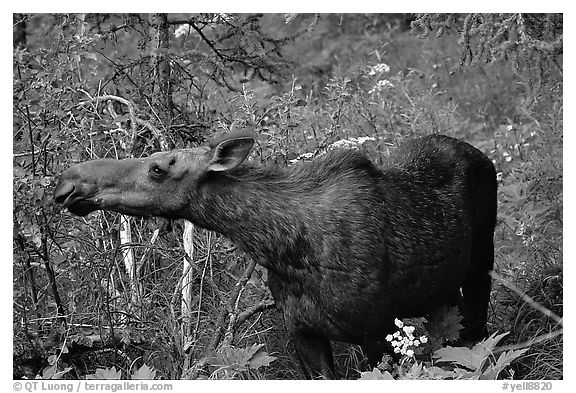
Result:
[{"x": 348, "y": 246}]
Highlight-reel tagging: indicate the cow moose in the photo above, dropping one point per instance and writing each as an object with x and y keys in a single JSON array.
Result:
[{"x": 349, "y": 247}]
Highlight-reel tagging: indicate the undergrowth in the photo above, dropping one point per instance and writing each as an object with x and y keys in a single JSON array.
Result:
[{"x": 374, "y": 102}]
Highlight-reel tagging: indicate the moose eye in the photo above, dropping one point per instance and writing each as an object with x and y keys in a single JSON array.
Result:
[{"x": 156, "y": 171}]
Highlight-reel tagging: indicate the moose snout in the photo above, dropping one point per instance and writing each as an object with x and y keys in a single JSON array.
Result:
[{"x": 63, "y": 191}]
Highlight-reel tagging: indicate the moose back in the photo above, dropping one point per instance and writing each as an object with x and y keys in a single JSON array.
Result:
[{"x": 348, "y": 246}]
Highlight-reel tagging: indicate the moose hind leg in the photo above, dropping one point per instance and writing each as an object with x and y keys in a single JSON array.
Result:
[
  {"x": 476, "y": 291},
  {"x": 315, "y": 355}
]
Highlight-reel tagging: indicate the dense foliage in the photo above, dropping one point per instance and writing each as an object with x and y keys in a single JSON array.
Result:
[{"x": 98, "y": 85}]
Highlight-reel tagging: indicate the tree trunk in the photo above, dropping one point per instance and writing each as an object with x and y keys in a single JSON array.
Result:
[
  {"x": 160, "y": 63},
  {"x": 18, "y": 30},
  {"x": 162, "y": 102}
]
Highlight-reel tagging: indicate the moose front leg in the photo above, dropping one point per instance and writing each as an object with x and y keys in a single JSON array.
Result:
[{"x": 315, "y": 355}]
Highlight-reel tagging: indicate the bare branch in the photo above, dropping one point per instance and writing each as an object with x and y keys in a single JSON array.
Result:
[
  {"x": 254, "y": 310},
  {"x": 537, "y": 306},
  {"x": 526, "y": 344},
  {"x": 235, "y": 300}
]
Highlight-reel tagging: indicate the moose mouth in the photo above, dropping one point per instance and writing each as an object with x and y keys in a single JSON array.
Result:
[
  {"x": 71, "y": 199},
  {"x": 82, "y": 207}
]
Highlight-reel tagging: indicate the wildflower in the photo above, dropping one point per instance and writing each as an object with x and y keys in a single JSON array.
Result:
[
  {"x": 408, "y": 329},
  {"x": 302, "y": 157},
  {"x": 381, "y": 85},
  {"x": 224, "y": 17},
  {"x": 403, "y": 340},
  {"x": 351, "y": 143},
  {"x": 378, "y": 69},
  {"x": 181, "y": 30}
]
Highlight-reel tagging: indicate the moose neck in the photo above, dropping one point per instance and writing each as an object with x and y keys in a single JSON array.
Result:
[{"x": 260, "y": 209}]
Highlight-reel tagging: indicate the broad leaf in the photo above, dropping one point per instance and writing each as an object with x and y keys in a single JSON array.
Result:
[
  {"x": 376, "y": 374},
  {"x": 259, "y": 359},
  {"x": 508, "y": 357},
  {"x": 460, "y": 355},
  {"x": 144, "y": 372},
  {"x": 470, "y": 358},
  {"x": 439, "y": 373},
  {"x": 415, "y": 371},
  {"x": 106, "y": 373},
  {"x": 51, "y": 372},
  {"x": 444, "y": 325}
]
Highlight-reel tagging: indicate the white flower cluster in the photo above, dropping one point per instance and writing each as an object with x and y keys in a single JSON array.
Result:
[
  {"x": 403, "y": 340},
  {"x": 181, "y": 30},
  {"x": 378, "y": 69},
  {"x": 216, "y": 18},
  {"x": 381, "y": 85},
  {"x": 351, "y": 143},
  {"x": 302, "y": 157}
]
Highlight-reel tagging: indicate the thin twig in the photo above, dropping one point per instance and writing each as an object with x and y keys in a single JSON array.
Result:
[
  {"x": 527, "y": 299},
  {"x": 232, "y": 308},
  {"x": 27, "y": 153},
  {"x": 235, "y": 301},
  {"x": 266, "y": 304},
  {"x": 526, "y": 344}
]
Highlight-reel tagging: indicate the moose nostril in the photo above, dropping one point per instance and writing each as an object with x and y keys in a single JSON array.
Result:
[{"x": 62, "y": 192}]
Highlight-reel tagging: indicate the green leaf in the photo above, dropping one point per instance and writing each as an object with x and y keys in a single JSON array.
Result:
[
  {"x": 58, "y": 259},
  {"x": 18, "y": 172},
  {"x": 259, "y": 359},
  {"x": 90, "y": 55},
  {"x": 81, "y": 339},
  {"x": 376, "y": 374},
  {"x": 52, "y": 359},
  {"x": 491, "y": 342},
  {"x": 241, "y": 359},
  {"x": 439, "y": 373},
  {"x": 460, "y": 355},
  {"x": 144, "y": 372},
  {"x": 444, "y": 325},
  {"x": 489, "y": 374},
  {"x": 415, "y": 371},
  {"x": 461, "y": 373},
  {"x": 508, "y": 357},
  {"x": 470, "y": 358},
  {"x": 105, "y": 373},
  {"x": 51, "y": 372}
]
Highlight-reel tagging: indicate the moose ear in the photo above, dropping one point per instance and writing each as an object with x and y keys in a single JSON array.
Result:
[{"x": 229, "y": 153}]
